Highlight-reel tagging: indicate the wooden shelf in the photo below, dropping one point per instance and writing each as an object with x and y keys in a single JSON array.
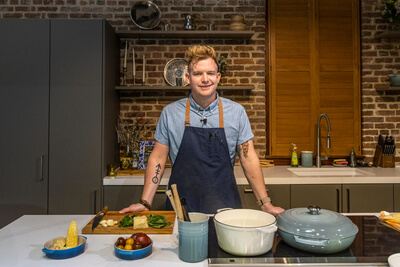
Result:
[
  {"x": 155, "y": 34},
  {"x": 166, "y": 87},
  {"x": 388, "y": 34}
]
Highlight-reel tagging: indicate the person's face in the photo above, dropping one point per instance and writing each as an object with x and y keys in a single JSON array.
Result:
[{"x": 203, "y": 78}]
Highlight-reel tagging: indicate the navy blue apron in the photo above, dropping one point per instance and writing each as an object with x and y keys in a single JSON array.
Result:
[{"x": 203, "y": 171}]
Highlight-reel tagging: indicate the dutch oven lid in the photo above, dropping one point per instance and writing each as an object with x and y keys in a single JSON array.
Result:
[{"x": 317, "y": 223}]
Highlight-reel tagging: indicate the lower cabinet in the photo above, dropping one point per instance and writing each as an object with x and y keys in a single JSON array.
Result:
[
  {"x": 117, "y": 197},
  {"x": 325, "y": 196},
  {"x": 367, "y": 197},
  {"x": 336, "y": 197},
  {"x": 396, "y": 194},
  {"x": 279, "y": 194},
  {"x": 347, "y": 197}
]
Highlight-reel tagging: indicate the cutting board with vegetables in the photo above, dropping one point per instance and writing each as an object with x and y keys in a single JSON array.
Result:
[{"x": 114, "y": 215}]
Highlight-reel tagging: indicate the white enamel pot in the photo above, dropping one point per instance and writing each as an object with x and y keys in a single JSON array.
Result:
[
  {"x": 316, "y": 230},
  {"x": 245, "y": 232}
]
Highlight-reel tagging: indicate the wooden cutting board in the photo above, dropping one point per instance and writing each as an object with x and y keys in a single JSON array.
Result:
[{"x": 114, "y": 215}]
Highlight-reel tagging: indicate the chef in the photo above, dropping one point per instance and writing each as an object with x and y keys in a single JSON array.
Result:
[{"x": 202, "y": 135}]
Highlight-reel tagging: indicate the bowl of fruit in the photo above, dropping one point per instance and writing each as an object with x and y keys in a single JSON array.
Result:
[{"x": 136, "y": 246}]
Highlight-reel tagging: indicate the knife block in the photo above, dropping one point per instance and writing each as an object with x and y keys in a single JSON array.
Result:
[{"x": 384, "y": 161}]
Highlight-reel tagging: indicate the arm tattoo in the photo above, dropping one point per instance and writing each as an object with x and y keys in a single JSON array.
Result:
[
  {"x": 245, "y": 148},
  {"x": 155, "y": 178}
]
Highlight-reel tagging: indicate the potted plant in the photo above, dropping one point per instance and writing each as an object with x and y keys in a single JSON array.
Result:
[{"x": 392, "y": 13}]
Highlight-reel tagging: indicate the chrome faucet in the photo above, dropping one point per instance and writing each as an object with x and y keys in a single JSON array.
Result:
[{"x": 328, "y": 140}]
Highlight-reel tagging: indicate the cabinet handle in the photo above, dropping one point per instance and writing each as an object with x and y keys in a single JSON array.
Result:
[
  {"x": 348, "y": 199},
  {"x": 161, "y": 191},
  {"x": 41, "y": 168},
  {"x": 337, "y": 200},
  {"x": 248, "y": 190},
  {"x": 95, "y": 201}
]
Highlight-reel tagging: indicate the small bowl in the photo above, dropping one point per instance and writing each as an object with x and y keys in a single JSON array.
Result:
[
  {"x": 133, "y": 254},
  {"x": 64, "y": 253}
]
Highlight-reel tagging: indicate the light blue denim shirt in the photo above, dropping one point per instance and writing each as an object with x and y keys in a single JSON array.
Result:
[{"x": 171, "y": 124}]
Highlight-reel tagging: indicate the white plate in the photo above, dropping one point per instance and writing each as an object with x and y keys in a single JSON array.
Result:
[
  {"x": 176, "y": 67},
  {"x": 394, "y": 260}
]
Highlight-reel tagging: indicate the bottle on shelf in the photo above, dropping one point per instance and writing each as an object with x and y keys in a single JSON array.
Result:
[
  {"x": 126, "y": 160},
  {"x": 353, "y": 158},
  {"x": 295, "y": 161},
  {"x": 135, "y": 162}
]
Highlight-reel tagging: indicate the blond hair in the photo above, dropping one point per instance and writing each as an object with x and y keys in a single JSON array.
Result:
[{"x": 199, "y": 52}]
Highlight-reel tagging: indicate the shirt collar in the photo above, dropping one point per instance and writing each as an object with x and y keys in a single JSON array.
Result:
[{"x": 197, "y": 107}]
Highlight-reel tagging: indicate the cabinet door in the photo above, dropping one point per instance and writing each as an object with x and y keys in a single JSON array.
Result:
[
  {"x": 291, "y": 85},
  {"x": 314, "y": 68},
  {"x": 118, "y": 197},
  {"x": 76, "y": 87},
  {"x": 396, "y": 196},
  {"x": 325, "y": 196},
  {"x": 279, "y": 194},
  {"x": 338, "y": 72},
  {"x": 24, "y": 105},
  {"x": 367, "y": 197}
]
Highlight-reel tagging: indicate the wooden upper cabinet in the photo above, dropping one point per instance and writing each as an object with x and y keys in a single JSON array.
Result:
[{"x": 314, "y": 69}]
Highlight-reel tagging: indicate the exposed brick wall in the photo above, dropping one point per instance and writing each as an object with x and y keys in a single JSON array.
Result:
[{"x": 380, "y": 57}]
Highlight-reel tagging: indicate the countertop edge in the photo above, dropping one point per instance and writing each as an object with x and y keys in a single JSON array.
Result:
[{"x": 281, "y": 175}]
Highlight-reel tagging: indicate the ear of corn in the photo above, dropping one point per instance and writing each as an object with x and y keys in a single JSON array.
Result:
[
  {"x": 72, "y": 235},
  {"x": 60, "y": 244}
]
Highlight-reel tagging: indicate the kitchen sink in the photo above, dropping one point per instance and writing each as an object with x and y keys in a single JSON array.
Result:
[{"x": 330, "y": 171}]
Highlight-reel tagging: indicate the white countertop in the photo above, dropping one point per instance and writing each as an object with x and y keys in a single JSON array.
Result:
[
  {"x": 282, "y": 175},
  {"x": 22, "y": 241}
]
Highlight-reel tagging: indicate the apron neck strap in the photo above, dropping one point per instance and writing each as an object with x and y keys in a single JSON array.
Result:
[{"x": 221, "y": 113}]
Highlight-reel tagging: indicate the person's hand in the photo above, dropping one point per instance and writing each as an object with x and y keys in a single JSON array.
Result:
[
  {"x": 133, "y": 208},
  {"x": 268, "y": 207}
]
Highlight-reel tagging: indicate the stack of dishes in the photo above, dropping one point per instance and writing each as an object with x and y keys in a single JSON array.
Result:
[{"x": 237, "y": 23}]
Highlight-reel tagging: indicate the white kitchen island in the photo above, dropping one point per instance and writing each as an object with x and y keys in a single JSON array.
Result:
[{"x": 22, "y": 241}]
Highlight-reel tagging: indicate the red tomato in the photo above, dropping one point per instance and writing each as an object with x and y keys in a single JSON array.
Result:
[
  {"x": 143, "y": 239},
  {"x": 137, "y": 245},
  {"x": 134, "y": 236}
]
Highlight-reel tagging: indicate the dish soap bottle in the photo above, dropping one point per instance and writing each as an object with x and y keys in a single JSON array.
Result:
[
  {"x": 353, "y": 159},
  {"x": 295, "y": 160}
]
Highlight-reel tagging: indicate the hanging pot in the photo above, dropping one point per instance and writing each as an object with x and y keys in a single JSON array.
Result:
[
  {"x": 316, "y": 230},
  {"x": 394, "y": 79}
]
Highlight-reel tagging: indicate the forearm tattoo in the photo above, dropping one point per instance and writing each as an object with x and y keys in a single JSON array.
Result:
[
  {"x": 155, "y": 178},
  {"x": 243, "y": 148}
]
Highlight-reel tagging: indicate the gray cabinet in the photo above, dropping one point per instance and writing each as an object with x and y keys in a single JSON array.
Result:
[
  {"x": 24, "y": 109},
  {"x": 117, "y": 197},
  {"x": 345, "y": 198},
  {"x": 59, "y": 107},
  {"x": 367, "y": 197},
  {"x": 83, "y": 113},
  {"x": 280, "y": 196},
  {"x": 396, "y": 195},
  {"x": 324, "y": 196}
]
